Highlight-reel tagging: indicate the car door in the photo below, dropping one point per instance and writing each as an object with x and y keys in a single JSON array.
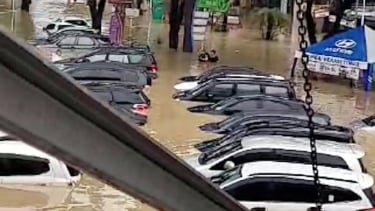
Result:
[
  {"x": 219, "y": 91},
  {"x": 86, "y": 43}
]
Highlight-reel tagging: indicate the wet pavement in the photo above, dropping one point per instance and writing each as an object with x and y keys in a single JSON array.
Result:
[{"x": 169, "y": 122}]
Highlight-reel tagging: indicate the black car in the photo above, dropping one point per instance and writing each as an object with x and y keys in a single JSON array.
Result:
[
  {"x": 218, "y": 89},
  {"x": 108, "y": 72},
  {"x": 329, "y": 133},
  {"x": 133, "y": 103},
  {"x": 129, "y": 56},
  {"x": 260, "y": 103},
  {"x": 366, "y": 122},
  {"x": 247, "y": 118},
  {"x": 222, "y": 69},
  {"x": 76, "y": 42}
]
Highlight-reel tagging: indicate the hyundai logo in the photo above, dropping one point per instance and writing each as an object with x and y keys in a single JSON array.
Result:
[{"x": 345, "y": 43}]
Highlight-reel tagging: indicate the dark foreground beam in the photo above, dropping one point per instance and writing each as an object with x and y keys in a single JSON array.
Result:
[{"x": 40, "y": 106}]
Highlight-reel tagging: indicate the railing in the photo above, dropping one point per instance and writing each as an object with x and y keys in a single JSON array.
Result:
[{"x": 40, "y": 106}]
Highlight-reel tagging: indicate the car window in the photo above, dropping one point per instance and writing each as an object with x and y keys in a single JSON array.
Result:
[
  {"x": 97, "y": 57},
  {"x": 281, "y": 156},
  {"x": 249, "y": 105},
  {"x": 127, "y": 97},
  {"x": 118, "y": 58},
  {"x": 222, "y": 90},
  {"x": 135, "y": 59},
  {"x": 50, "y": 26},
  {"x": 85, "y": 41},
  {"x": 247, "y": 89},
  {"x": 276, "y": 91},
  {"x": 20, "y": 165},
  {"x": 286, "y": 190},
  {"x": 72, "y": 171},
  {"x": 77, "y": 22},
  {"x": 68, "y": 41},
  {"x": 63, "y": 27}
]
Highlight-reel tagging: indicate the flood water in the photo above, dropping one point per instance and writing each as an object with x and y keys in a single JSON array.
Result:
[{"x": 169, "y": 121}]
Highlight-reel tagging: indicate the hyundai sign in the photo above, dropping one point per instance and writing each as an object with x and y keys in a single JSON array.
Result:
[{"x": 343, "y": 46}]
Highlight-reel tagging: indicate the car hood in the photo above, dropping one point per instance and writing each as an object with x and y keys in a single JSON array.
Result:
[
  {"x": 188, "y": 78},
  {"x": 200, "y": 108},
  {"x": 193, "y": 160},
  {"x": 186, "y": 85},
  {"x": 209, "y": 126}
]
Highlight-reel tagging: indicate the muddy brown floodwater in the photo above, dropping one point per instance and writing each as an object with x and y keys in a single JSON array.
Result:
[{"x": 169, "y": 122}]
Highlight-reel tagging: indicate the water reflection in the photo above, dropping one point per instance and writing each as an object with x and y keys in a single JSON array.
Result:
[{"x": 169, "y": 122}]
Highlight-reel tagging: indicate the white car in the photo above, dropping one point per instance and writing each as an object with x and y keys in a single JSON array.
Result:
[
  {"x": 278, "y": 186},
  {"x": 187, "y": 85},
  {"x": 23, "y": 164},
  {"x": 66, "y": 22},
  {"x": 277, "y": 148}
]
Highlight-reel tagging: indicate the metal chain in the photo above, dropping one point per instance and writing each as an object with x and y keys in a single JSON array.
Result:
[{"x": 302, "y": 31}]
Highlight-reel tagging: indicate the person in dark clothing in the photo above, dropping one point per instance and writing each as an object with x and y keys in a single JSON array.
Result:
[
  {"x": 212, "y": 57},
  {"x": 203, "y": 56}
]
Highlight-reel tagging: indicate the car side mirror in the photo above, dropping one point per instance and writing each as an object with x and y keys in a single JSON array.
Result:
[{"x": 229, "y": 165}]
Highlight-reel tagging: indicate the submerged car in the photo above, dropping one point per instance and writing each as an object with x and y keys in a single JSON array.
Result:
[
  {"x": 331, "y": 133},
  {"x": 278, "y": 149},
  {"x": 66, "y": 22},
  {"x": 255, "y": 103},
  {"x": 104, "y": 72},
  {"x": 218, "y": 89},
  {"x": 366, "y": 122},
  {"x": 25, "y": 165},
  {"x": 243, "y": 119},
  {"x": 221, "y": 69},
  {"x": 131, "y": 103},
  {"x": 75, "y": 43},
  {"x": 126, "y": 55},
  {"x": 275, "y": 186},
  {"x": 187, "y": 85}
]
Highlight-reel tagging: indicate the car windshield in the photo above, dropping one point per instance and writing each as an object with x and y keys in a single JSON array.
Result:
[
  {"x": 219, "y": 151},
  {"x": 225, "y": 102},
  {"x": 230, "y": 120},
  {"x": 228, "y": 176}
]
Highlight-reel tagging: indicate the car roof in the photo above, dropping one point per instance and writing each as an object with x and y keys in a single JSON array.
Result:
[
  {"x": 252, "y": 80},
  {"x": 302, "y": 144},
  {"x": 249, "y": 114},
  {"x": 297, "y": 170},
  {"x": 21, "y": 148},
  {"x": 102, "y": 65},
  {"x": 265, "y": 97}
]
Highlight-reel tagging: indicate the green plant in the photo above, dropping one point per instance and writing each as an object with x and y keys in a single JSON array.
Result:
[{"x": 270, "y": 21}]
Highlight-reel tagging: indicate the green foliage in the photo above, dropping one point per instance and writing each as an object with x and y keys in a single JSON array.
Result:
[{"x": 270, "y": 21}]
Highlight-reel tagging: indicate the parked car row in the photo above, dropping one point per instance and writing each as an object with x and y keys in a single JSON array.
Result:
[
  {"x": 116, "y": 76},
  {"x": 263, "y": 158}
]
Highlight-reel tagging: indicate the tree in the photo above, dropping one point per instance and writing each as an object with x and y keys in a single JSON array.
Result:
[
  {"x": 188, "y": 21},
  {"x": 25, "y": 5},
  {"x": 96, "y": 12},
  {"x": 310, "y": 23},
  {"x": 337, "y": 9},
  {"x": 175, "y": 19},
  {"x": 270, "y": 21}
]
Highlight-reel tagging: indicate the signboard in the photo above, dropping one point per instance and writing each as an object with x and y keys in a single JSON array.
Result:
[
  {"x": 131, "y": 12},
  {"x": 200, "y": 21},
  {"x": 330, "y": 69},
  {"x": 214, "y": 5},
  {"x": 120, "y": 1}
]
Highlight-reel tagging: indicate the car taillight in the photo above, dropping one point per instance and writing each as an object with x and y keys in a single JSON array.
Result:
[
  {"x": 153, "y": 68},
  {"x": 140, "y": 109}
]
